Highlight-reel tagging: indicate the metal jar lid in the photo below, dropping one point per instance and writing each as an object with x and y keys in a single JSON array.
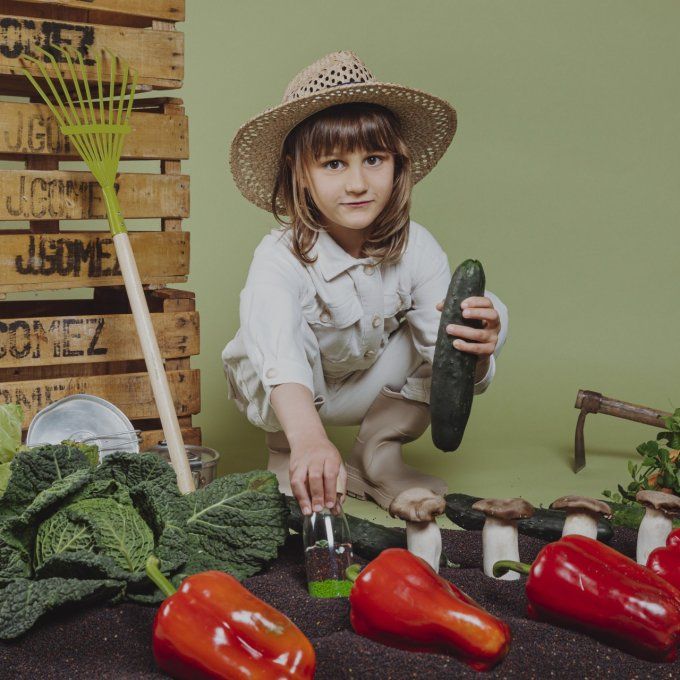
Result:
[{"x": 84, "y": 418}]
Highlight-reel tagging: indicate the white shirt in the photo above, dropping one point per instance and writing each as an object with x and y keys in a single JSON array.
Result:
[{"x": 352, "y": 305}]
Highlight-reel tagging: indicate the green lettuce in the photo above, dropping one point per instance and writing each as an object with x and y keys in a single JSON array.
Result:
[{"x": 11, "y": 417}]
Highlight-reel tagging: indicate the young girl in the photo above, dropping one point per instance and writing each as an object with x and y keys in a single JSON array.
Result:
[{"x": 340, "y": 311}]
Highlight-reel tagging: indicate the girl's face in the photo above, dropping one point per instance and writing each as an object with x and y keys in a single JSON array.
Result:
[{"x": 352, "y": 188}]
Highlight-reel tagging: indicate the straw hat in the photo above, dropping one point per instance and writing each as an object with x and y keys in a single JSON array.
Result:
[{"x": 428, "y": 122}]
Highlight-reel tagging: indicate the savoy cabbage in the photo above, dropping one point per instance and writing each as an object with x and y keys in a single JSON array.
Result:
[{"x": 70, "y": 531}]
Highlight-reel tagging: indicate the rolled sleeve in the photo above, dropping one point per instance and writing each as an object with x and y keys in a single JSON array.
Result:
[{"x": 271, "y": 323}]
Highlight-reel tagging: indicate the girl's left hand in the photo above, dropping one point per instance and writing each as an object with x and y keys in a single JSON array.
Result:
[{"x": 479, "y": 341}]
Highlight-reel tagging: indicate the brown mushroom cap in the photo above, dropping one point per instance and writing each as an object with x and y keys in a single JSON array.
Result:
[
  {"x": 667, "y": 503},
  {"x": 417, "y": 505},
  {"x": 582, "y": 504},
  {"x": 504, "y": 508}
]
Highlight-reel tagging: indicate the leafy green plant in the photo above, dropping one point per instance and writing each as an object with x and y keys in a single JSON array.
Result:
[
  {"x": 71, "y": 532},
  {"x": 659, "y": 468},
  {"x": 11, "y": 417}
]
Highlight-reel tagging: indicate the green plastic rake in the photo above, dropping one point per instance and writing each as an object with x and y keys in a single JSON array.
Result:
[{"x": 96, "y": 126}]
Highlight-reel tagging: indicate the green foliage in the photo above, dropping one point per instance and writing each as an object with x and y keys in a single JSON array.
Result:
[
  {"x": 672, "y": 434},
  {"x": 4, "y": 477},
  {"x": 11, "y": 416},
  {"x": 657, "y": 470},
  {"x": 90, "y": 451},
  {"x": 70, "y": 532},
  {"x": 25, "y": 601}
]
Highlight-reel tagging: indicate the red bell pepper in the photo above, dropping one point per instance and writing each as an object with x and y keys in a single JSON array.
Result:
[
  {"x": 400, "y": 601},
  {"x": 214, "y": 628},
  {"x": 581, "y": 583},
  {"x": 665, "y": 561},
  {"x": 614, "y": 559}
]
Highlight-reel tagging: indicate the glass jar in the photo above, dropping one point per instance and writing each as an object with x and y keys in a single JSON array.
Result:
[{"x": 328, "y": 553}]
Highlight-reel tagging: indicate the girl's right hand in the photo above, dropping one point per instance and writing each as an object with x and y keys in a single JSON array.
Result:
[{"x": 317, "y": 475}]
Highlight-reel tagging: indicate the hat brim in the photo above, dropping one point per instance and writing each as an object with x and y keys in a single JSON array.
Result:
[{"x": 428, "y": 125}]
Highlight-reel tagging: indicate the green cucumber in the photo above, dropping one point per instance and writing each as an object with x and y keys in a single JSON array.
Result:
[
  {"x": 453, "y": 371},
  {"x": 545, "y": 524}
]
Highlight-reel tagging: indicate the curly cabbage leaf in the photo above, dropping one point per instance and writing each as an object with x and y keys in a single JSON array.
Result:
[
  {"x": 24, "y": 601},
  {"x": 236, "y": 524}
]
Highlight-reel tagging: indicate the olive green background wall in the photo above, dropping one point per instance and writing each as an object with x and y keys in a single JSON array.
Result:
[{"x": 562, "y": 179}]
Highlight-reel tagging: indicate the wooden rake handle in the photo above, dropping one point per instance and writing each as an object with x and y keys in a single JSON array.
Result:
[
  {"x": 154, "y": 362},
  {"x": 594, "y": 402}
]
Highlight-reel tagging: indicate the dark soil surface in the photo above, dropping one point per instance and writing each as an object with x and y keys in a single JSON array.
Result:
[{"x": 114, "y": 642}]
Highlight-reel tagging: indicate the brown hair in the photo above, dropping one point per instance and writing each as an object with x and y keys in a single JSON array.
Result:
[{"x": 344, "y": 128}]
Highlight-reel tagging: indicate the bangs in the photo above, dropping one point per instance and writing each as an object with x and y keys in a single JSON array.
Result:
[{"x": 347, "y": 128}]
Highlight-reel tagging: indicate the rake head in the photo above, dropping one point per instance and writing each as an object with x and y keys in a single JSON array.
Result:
[{"x": 95, "y": 119}]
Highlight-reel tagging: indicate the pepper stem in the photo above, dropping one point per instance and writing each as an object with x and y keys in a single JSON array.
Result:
[
  {"x": 504, "y": 566},
  {"x": 153, "y": 571},
  {"x": 352, "y": 572}
]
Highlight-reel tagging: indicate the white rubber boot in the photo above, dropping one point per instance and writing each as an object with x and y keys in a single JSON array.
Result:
[
  {"x": 279, "y": 459},
  {"x": 375, "y": 468}
]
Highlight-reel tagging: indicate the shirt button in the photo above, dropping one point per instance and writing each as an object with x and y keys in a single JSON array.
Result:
[
  {"x": 271, "y": 372},
  {"x": 369, "y": 354},
  {"x": 325, "y": 316},
  {"x": 377, "y": 320},
  {"x": 369, "y": 269}
]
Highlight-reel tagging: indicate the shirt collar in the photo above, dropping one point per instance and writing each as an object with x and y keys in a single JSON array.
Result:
[{"x": 333, "y": 259}]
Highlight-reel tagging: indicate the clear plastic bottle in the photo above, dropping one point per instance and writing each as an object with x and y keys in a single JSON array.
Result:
[{"x": 328, "y": 553}]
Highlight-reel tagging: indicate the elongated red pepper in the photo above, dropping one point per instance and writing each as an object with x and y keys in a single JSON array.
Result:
[
  {"x": 214, "y": 628},
  {"x": 581, "y": 583},
  {"x": 665, "y": 561},
  {"x": 400, "y": 601}
]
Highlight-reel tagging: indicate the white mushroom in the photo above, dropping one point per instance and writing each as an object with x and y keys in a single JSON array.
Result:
[
  {"x": 499, "y": 536},
  {"x": 423, "y": 538},
  {"x": 657, "y": 522},
  {"x": 583, "y": 514}
]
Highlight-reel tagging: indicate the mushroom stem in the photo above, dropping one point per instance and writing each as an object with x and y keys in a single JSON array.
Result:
[
  {"x": 499, "y": 543},
  {"x": 424, "y": 539},
  {"x": 582, "y": 523},
  {"x": 653, "y": 531}
]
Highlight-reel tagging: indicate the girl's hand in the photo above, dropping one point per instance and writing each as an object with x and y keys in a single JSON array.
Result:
[
  {"x": 317, "y": 475},
  {"x": 479, "y": 341}
]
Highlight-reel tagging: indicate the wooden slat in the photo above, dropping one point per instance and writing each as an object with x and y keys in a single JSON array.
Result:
[
  {"x": 170, "y": 10},
  {"x": 88, "y": 339},
  {"x": 157, "y": 56},
  {"x": 151, "y": 438},
  {"x": 131, "y": 392},
  {"x": 55, "y": 195},
  {"x": 79, "y": 259},
  {"x": 31, "y": 130}
]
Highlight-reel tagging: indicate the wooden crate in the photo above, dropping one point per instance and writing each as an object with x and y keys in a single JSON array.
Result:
[
  {"x": 142, "y": 32},
  {"x": 56, "y": 347},
  {"x": 51, "y": 349}
]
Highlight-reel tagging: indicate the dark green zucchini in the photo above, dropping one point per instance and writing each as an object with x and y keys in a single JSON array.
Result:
[
  {"x": 368, "y": 538},
  {"x": 545, "y": 524},
  {"x": 453, "y": 371}
]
